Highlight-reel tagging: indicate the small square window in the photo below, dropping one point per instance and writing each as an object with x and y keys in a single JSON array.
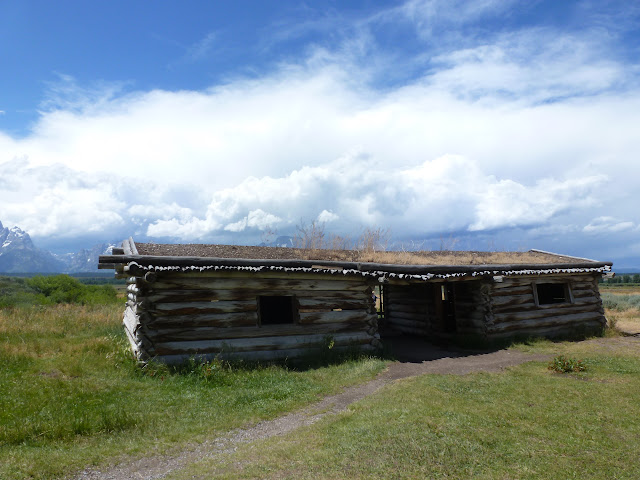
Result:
[
  {"x": 276, "y": 310},
  {"x": 551, "y": 293}
]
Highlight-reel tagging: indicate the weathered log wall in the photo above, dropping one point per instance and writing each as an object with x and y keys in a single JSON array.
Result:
[
  {"x": 179, "y": 315},
  {"x": 469, "y": 308},
  {"x": 491, "y": 310},
  {"x": 408, "y": 308},
  {"x": 413, "y": 309},
  {"x": 512, "y": 309}
]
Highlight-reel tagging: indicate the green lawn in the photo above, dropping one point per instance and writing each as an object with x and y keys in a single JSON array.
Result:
[
  {"x": 72, "y": 396},
  {"x": 524, "y": 423}
]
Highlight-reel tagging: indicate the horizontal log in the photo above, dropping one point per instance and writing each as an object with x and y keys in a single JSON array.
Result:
[
  {"x": 213, "y": 333},
  {"x": 261, "y": 343},
  {"x": 528, "y": 307},
  {"x": 186, "y": 308},
  {"x": 587, "y": 326},
  {"x": 259, "y": 356},
  {"x": 524, "y": 279},
  {"x": 546, "y": 311},
  {"x": 328, "y": 303},
  {"x": 195, "y": 295},
  {"x": 583, "y": 293},
  {"x": 259, "y": 284},
  {"x": 573, "y": 318},
  {"x": 511, "y": 300},
  {"x": 268, "y": 274},
  {"x": 198, "y": 295},
  {"x": 242, "y": 319},
  {"x": 345, "y": 316}
]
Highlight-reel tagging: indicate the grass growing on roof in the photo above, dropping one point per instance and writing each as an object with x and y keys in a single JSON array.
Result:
[{"x": 72, "y": 396}]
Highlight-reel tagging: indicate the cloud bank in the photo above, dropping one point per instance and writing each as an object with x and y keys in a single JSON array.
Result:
[{"x": 520, "y": 135}]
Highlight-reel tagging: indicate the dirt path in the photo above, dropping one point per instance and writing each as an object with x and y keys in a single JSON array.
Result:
[{"x": 414, "y": 363}]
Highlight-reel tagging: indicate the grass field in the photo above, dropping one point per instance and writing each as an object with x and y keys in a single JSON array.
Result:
[
  {"x": 525, "y": 423},
  {"x": 73, "y": 397}
]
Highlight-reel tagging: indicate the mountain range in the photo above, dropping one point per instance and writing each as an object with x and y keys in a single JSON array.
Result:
[{"x": 18, "y": 254}]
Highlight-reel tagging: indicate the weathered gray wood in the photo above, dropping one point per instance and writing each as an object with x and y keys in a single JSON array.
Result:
[
  {"x": 524, "y": 323},
  {"x": 345, "y": 316},
  {"x": 511, "y": 300},
  {"x": 263, "y": 285},
  {"x": 132, "y": 246},
  {"x": 259, "y": 356},
  {"x": 261, "y": 343},
  {"x": 206, "y": 319},
  {"x": 591, "y": 326},
  {"x": 328, "y": 303},
  {"x": 133, "y": 342},
  {"x": 185, "y": 308},
  {"x": 130, "y": 320},
  {"x": 530, "y": 306},
  {"x": 150, "y": 277},
  {"x": 126, "y": 247},
  {"x": 583, "y": 294},
  {"x": 270, "y": 274},
  {"x": 202, "y": 333},
  {"x": 202, "y": 295},
  {"x": 555, "y": 310},
  {"x": 576, "y": 320}
]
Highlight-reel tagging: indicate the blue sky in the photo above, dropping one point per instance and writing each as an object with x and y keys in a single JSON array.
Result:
[{"x": 498, "y": 124}]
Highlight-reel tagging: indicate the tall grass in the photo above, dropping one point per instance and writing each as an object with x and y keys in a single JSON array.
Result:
[
  {"x": 73, "y": 396},
  {"x": 620, "y": 302}
]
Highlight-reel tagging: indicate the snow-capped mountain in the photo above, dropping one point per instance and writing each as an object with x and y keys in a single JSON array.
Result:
[
  {"x": 18, "y": 254},
  {"x": 85, "y": 260}
]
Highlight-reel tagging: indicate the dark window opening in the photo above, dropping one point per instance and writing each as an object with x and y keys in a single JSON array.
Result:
[
  {"x": 276, "y": 310},
  {"x": 550, "y": 293}
]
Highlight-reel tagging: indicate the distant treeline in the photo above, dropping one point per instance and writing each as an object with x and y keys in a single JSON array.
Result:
[
  {"x": 627, "y": 278},
  {"x": 52, "y": 289},
  {"x": 87, "y": 278}
]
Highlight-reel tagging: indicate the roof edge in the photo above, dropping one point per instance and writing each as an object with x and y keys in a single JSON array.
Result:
[
  {"x": 562, "y": 255},
  {"x": 151, "y": 260}
]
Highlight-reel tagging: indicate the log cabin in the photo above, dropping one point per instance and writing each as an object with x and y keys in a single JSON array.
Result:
[{"x": 267, "y": 303}]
